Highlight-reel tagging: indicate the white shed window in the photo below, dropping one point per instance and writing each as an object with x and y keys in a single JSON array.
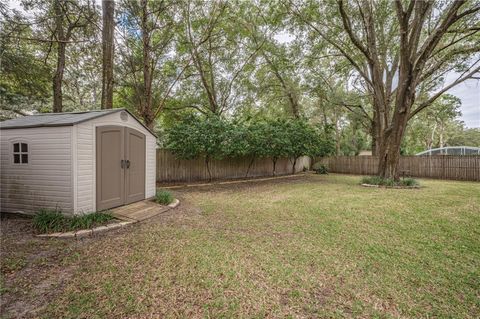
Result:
[{"x": 20, "y": 153}]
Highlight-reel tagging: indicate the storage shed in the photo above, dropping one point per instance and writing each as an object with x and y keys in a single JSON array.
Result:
[{"x": 77, "y": 162}]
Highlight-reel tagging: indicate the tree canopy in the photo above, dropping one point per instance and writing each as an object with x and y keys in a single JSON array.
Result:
[{"x": 371, "y": 73}]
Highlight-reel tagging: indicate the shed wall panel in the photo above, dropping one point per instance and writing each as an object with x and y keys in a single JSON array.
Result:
[{"x": 46, "y": 181}]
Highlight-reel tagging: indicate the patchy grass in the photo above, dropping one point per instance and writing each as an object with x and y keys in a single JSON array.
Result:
[
  {"x": 13, "y": 263},
  {"x": 163, "y": 197},
  {"x": 50, "y": 221},
  {"x": 313, "y": 246}
]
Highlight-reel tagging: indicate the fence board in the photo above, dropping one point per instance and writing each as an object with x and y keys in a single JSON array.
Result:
[
  {"x": 172, "y": 169},
  {"x": 456, "y": 167}
]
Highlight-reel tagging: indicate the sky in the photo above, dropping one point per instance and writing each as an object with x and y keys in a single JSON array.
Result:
[{"x": 468, "y": 92}]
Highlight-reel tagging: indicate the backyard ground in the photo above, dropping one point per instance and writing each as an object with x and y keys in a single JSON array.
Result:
[{"x": 301, "y": 247}]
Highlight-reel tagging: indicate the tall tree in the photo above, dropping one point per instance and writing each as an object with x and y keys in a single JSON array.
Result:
[
  {"x": 25, "y": 83},
  {"x": 397, "y": 49},
  {"x": 278, "y": 67},
  {"x": 69, "y": 15},
  {"x": 53, "y": 27},
  {"x": 108, "y": 28},
  {"x": 151, "y": 69},
  {"x": 222, "y": 55}
]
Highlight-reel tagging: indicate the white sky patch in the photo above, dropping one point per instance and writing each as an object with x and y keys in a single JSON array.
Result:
[
  {"x": 469, "y": 93},
  {"x": 283, "y": 37}
]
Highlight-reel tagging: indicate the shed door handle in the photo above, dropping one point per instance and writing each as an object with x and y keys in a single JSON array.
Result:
[
  {"x": 122, "y": 163},
  {"x": 128, "y": 163}
]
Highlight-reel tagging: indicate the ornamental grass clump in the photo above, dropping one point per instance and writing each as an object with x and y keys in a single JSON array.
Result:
[
  {"x": 51, "y": 221},
  {"x": 163, "y": 197}
]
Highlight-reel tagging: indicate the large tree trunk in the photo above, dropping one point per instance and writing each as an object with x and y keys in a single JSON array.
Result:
[
  {"x": 58, "y": 79},
  {"x": 392, "y": 135},
  {"x": 61, "y": 46},
  {"x": 108, "y": 7},
  {"x": 147, "y": 112}
]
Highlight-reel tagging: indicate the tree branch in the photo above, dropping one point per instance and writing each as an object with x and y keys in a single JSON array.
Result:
[{"x": 461, "y": 79}]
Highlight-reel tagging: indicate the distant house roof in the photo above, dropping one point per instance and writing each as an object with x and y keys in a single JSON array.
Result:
[
  {"x": 59, "y": 119},
  {"x": 452, "y": 150}
]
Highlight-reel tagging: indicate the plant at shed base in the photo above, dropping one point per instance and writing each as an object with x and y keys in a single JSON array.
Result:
[{"x": 163, "y": 197}]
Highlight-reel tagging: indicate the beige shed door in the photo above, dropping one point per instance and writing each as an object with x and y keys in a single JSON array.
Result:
[
  {"x": 135, "y": 172},
  {"x": 120, "y": 166}
]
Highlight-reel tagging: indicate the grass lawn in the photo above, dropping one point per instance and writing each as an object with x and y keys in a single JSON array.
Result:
[{"x": 309, "y": 246}]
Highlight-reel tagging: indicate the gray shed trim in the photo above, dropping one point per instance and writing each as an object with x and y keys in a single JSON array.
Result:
[{"x": 61, "y": 119}]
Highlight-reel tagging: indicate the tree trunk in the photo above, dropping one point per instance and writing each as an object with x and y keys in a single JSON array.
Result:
[
  {"x": 147, "y": 112},
  {"x": 108, "y": 7},
  {"x": 274, "y": 160},
  {"x": 432, "y": 138},
  {"x": 61, "y": 45},
  {"x": 250, "y": 165},
  {"x": 440, "y": 136},
  {"x": 389, "y": 152},
  {"x": 149, "y": 118},
  {"x": 293, "y": 166},
  {"x": 207, "y": 164}
]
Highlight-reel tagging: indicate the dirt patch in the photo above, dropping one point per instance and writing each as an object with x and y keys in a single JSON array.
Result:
[
  {"x": 31, "y": 267},
  {"x": 34, "y": 271}
]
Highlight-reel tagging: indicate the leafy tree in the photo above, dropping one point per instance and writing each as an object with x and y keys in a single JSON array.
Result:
[
  {"x": 53, "y": 27},
  {"x": 213, "y": 40},
  {"x": 304, "y": 140},
  {"x": 275, "y": 140},
  {"x": 236, "y": 142},
  {"x": 148, "y": 72},
  {"x": 25, "y": 80},
  {"x": 199, "y": 136},
  {"x": 434, "y": 127},
  {"x": 465, "y": 136},
  {"x": 81, "y": 87},
  {"x": 411, "y": 42}
]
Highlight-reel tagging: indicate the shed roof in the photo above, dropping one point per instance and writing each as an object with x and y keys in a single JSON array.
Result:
[{"x": 59, "y": 119}]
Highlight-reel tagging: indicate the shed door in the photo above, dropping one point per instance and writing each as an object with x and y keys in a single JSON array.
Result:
[
  {"x": 135, "y": 172},
  {"x": 110, "y": 173},
  {"x": 120, "y": 166}
]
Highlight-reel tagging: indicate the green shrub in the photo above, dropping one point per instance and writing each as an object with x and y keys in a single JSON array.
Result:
[
  {"x": 50, "y": 221},
  {"x": 377, "y": 180},
  {"x": 163, "y": 197},
  {"x": 321, "y": 169}
]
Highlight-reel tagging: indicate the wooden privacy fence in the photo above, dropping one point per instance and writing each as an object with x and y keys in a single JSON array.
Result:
[
  {"x": 466, "y": 167},
  {"x": 172, "y": 169}
]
